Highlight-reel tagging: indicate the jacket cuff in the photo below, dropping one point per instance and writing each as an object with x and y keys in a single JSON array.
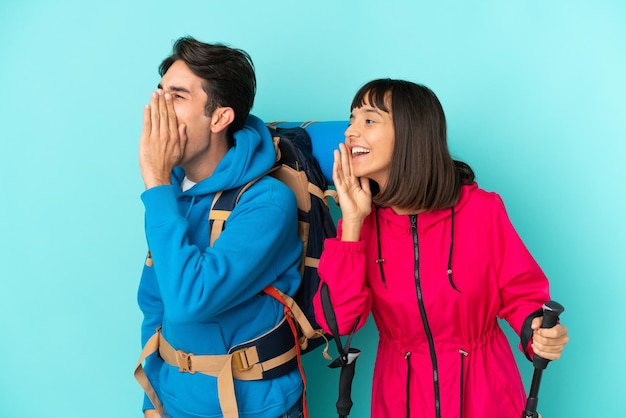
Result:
[
  {"x": 526, "y": 334},
  {"x": 160, "y": 204},
  {"x": 336, "y": 244}
]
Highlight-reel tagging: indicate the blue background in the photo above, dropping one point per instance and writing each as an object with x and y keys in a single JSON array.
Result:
[{"x": 534, "y": 94}]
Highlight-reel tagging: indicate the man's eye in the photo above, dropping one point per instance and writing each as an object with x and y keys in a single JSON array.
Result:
[{"x": 178, "y": 96}]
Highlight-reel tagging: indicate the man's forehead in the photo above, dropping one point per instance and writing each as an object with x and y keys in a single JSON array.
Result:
[{"x": 180, "y": 78}]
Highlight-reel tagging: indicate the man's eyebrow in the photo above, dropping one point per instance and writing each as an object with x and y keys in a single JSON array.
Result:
[{"x": 175, "y": 88}]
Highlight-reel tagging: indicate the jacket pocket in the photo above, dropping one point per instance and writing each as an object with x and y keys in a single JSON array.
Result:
[
  {"x": 463, "y": 355},
  {"x": 407, "y": 357}
]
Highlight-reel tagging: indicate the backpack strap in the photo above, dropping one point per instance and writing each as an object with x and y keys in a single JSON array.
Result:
[
  {"x": 332, "y": 194},
  {"x": 293, "y": 311},
  {"x": 308, "y": 123},
  {"x": 271, "y": 355},
  {"x": 151, "y": 346},
  {"x": 221, "y": 208}
]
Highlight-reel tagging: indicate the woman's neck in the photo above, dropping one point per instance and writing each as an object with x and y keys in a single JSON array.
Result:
[{"x": 406, "y": 211}]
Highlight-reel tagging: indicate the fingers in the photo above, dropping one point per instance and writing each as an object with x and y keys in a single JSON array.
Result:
[
  {"x": 555, "y": 333},
  {"x": 549, "y": 352},
  {"x": 147, "y": 125},
  {"x": 346, "y": 163},
  {"x": 337, "y": 172},
  {"x": 154, "y": 113},
  {"x": 172, "y": 121},
  {"x": 342, "y": 167},
  {"x": 551, "y": 336},
  {"x": 546, "y": 353},
  {"x": 536, "y": 323},
  {"x": 550, "y": 342},
  {"x": 164, "y": 127},
  {"x": 182, "y": 134},
  {"x": 163, "y": 115},
  {"x": 163, "y": 122},
  {"x": 162, "y": 141}
]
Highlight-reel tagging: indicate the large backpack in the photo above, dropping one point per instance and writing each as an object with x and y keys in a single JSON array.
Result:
[{"x": 296, "y": 167}]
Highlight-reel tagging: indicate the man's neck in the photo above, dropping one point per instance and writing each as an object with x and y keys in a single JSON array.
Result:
[{"x": 205, "y": 164}]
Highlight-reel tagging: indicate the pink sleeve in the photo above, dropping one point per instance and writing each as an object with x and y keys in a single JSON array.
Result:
[
  {"x": 523, "y": 286},
  {"x": 342, "y": 269}
]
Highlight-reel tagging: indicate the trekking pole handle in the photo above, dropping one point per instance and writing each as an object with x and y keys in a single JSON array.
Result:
[
  {"x": 344, "y": 403},
  {"x": 551, "y": 312}
]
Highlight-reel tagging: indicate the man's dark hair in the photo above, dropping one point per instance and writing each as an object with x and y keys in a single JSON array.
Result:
[{"x": 228, "y": 74}]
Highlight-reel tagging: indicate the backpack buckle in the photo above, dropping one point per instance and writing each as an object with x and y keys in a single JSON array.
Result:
[
  {"x": 184, "y": 362},
  {"x": 241, "y": 360}
]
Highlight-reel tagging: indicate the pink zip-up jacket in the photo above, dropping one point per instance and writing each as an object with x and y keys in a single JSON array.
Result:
[{"x": 448, "y": 276}]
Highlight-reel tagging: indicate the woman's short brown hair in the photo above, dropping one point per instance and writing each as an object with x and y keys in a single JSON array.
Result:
[{"x": 423, "y": 175}]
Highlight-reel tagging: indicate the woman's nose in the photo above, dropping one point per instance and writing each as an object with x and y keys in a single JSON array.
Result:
[{"x": 349, "y": 133}]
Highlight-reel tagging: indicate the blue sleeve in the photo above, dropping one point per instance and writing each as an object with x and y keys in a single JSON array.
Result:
[{"x": 258, "y": 245}]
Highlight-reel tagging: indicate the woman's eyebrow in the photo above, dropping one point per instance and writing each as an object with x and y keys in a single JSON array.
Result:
[{"x": 373, "y": 110}]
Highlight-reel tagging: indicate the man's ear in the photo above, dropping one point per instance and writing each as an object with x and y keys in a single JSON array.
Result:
[{"x": 221, "y": 118}]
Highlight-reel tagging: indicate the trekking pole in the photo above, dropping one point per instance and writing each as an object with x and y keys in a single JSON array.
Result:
[
  {"x": 551, "y": 312},
  {"x": 347, "y": 356},
  {"x": 347, "y": 362}
]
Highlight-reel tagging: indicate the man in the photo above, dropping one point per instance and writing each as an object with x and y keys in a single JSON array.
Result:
[{"x": 198, "y": 139}]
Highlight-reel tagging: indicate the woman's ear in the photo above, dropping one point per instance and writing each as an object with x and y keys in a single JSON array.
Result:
[{"x": 221, "y": 118}]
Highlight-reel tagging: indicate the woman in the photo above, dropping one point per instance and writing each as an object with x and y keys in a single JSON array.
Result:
[{"x": 435, "y": 259}]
